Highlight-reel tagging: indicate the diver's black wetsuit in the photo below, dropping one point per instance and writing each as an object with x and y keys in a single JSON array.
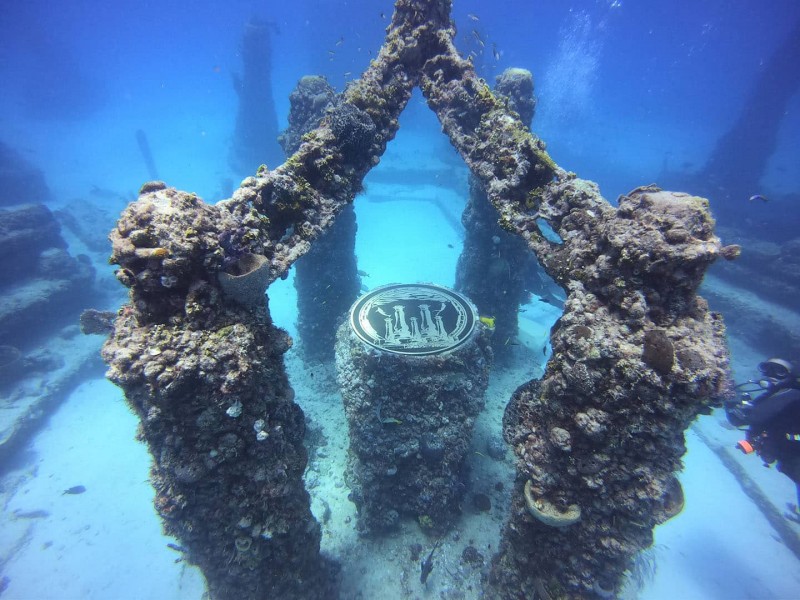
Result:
[
  {"x": 773, "y": 421},
  {"x": 775, "y": 431}
]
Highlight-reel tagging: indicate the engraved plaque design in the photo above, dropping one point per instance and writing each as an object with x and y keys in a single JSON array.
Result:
[{"x": 414, "y": 319}]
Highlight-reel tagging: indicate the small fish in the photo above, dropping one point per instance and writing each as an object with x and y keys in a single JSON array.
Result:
[
  {"x": 383, "y": 16},
  {"x": 477, "y": 37},
  {"x": 331, "y": 52},
  {"x": 472, "y": 17},
  {"x": 75, "y": 489},
  {"x": 341, "y": 41},
  {"x": 450, "y": 246},
  {"x": 427, "y": 565},
  {"x": 552, "y": 300},
  {"x": 348, "y": 73},
  {"x": 495, "y": 51},
  {"x": 362, "y": 273},
  {"x": 391, "y": 421},
  {"x": 176, "y": 547},
  {"x": 488, "y": 321},
  {"x": 756, "y": 197}
]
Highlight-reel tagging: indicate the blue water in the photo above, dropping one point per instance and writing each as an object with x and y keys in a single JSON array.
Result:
[
  {"x": 624, "y": 87},
  {"x": 629, "y": 93}
]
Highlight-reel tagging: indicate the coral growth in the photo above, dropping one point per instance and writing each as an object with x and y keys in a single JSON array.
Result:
[
  {"x": 636, "y": 354},
  {"x": 410, "y": 420},
  {"x": 308, "y": 101},
  {"x": 200, "y": 371}
]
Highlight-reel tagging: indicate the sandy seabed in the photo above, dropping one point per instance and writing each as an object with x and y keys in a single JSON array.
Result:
[{"x": 107, "y": 542}]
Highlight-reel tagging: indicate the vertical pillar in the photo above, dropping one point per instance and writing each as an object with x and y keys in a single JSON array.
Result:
[
  {"x": 411, "y": 395},
  {"x": 326, "y": 278},
  {"x": 496, "y": 270}
]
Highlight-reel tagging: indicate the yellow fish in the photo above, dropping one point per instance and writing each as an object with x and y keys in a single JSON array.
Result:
[{"x": 488, "y": 321}]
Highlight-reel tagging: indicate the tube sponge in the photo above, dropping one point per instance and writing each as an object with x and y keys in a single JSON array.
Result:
[
  {"x": 249, "y": 284},
  {"x": 548, "y": 513}
]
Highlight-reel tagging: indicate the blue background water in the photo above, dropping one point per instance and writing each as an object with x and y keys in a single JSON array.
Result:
[
  {"x": 625, "y": 87},
  {"x": 627, "y": 91}
]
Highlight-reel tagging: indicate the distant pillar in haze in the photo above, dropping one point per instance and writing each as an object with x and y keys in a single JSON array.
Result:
[{"x": 256, "y": 133}]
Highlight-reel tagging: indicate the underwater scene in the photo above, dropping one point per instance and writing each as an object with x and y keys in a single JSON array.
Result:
[{"x": 399, "y": 300}]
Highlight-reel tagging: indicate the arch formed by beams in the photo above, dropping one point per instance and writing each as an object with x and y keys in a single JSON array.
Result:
[{"x": 637, "y": 354}]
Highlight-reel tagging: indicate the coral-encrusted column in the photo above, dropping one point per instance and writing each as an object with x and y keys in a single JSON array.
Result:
[
  {"x": 496, "y": 268},
  {"x": 412, "y": 382},
  {"x": 205, "y": 375},
  {"x": 326, "y": 278},
  {"x": 636, "y": 356}
]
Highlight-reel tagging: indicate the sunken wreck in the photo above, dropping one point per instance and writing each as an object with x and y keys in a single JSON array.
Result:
[{"x": 637, "y": 353}]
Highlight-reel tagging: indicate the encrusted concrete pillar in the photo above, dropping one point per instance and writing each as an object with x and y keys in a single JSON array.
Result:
[
  {"x": 201, "y": 364},
  {"x": 413, "y": 364},
  {"x": 637, "y": 356},
  {"x": 327, "y": 282},
  {"x": 256, "y": 129},
  {"x": 326, "y": 278},
  {"x": 496, "y": 269}
]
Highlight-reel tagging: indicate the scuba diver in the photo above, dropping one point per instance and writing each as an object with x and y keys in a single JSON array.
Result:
[{"x": 772, "y": 419}]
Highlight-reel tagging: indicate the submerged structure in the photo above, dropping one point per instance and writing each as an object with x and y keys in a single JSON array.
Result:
[
  {"x": 326, "y": 278},
  {"x": 496, "y": 269},
  {"x": 637, "y": 354},
  {"x": 413, "y": 364},
  {"x": 256, "y": 129}
]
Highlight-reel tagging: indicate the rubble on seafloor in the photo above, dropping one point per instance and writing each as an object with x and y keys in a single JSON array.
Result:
[
  {"x": 636, "y": 355},
  {"x": 43, "y": 287}
]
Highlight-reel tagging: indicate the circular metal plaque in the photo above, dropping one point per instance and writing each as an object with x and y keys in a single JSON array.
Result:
[{"x": 413, "y": 318}]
